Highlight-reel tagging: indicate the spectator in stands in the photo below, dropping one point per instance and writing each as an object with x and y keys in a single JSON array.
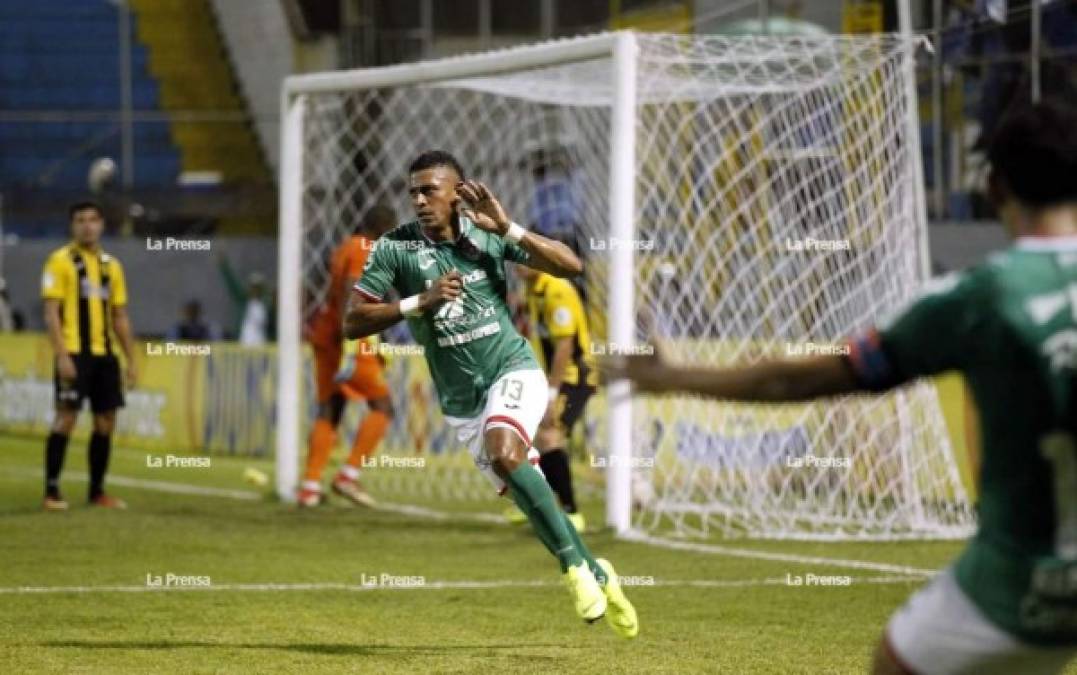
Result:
[
  {"x": 193, "y": 327},
  {"x": 555, "y": 205},
  {"x": 11, "y": 319},
  {"x": 253, "y": 303}
]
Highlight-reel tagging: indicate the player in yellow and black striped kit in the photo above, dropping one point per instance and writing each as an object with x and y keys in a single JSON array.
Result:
[
  {"x": 562, "y": 342},
  {"x": 85, "y": 298}
]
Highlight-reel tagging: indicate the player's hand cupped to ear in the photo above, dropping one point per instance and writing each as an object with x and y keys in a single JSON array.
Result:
[{"x": 482, "y": 208}]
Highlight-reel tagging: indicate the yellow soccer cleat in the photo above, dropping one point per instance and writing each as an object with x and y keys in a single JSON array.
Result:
[
  {"x": 620, "y": 614},
  {"x": 586, "y": 593},
  {"x": 577, "y": 521}
]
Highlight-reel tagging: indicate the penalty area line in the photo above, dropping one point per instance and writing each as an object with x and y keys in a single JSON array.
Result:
[
  {"x": 426, "y": 586},
  {"x": 901, "y": 570}
]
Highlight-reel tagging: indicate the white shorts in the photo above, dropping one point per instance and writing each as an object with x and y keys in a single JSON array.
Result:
[
  {"x": 939, "y": 630},
  {"x": 516, "y": 401}
]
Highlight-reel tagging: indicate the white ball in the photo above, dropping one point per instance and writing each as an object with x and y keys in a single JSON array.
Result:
[{"x": 102, "y": 171}]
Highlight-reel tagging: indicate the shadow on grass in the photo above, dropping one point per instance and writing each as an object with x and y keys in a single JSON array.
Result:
[{"x": 330, "y": 649}]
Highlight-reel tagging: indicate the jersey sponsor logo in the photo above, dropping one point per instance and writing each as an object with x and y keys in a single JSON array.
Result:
[
  {"x": 461, "y": 320},
  {"x": 469, "y": 336},
  {"x": 472, "y": 277},
  {"x": 88, "y": 289},
  {"x": 454, "y": 309},
  {"x": 426, "y": 259},
  {"x": 1061, "y": 350},
  {"x": 1045, "y": 306},
  {"x": 562, "y": 316}
]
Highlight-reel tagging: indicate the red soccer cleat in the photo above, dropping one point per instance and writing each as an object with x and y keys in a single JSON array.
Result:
[
  {"x": 108, "y": 502},
  {"x": 308, "y": 498},
  {"x": 350, "y": 488}
]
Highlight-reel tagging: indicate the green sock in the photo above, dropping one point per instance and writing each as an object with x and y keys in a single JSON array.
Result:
[
  {"x": 585, "y": 552},
  {"x": 535, "y": 498}
]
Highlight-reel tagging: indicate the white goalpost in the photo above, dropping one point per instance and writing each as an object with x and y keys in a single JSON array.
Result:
[{"x": 734, "y": 198}]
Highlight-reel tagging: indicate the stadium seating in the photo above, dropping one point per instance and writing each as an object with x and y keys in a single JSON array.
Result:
[{"x": 62, "y": 56}]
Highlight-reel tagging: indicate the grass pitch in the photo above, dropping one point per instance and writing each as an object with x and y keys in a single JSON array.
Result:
[{"x": 272, "y": 589}]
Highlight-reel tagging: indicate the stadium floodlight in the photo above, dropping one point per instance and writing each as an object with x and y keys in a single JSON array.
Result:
[{"x": 736, "y": 198}]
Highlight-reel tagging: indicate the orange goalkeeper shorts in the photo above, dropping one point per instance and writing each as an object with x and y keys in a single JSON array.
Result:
[{"x": 367, "y": 381}]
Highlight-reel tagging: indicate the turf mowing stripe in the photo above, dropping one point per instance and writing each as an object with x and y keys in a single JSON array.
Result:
[
  {"x": 490, "y": 518},
  {"x": 635, "y": 535},
  {"x": 433, "y": 585}
]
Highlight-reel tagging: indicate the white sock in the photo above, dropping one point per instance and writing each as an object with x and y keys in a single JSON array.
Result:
[{"x": 351, "y": 472}]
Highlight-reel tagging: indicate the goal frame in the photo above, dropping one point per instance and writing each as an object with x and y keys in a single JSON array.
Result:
[
  {"x": 623, "y": 50},
  {"x": 621, "y": 46}
]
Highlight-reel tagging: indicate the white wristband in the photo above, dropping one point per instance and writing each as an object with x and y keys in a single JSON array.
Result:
[
  {"x": 515, "y": 233},
  {"x": 410, "y": 306},
  {"x": 554, "y": 392}
]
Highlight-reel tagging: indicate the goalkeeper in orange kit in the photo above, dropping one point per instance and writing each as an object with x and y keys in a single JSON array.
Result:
[{"x": 346, "y": 372}]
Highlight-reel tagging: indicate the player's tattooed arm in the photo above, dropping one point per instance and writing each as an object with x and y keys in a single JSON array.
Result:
[
  {"x": 363, "y": 318},
  {"x": 777, "y": 381},
  {"x": 547, "y": 255}
]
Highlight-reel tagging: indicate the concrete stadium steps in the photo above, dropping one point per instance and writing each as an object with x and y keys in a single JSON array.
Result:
[{"x": 189, "y": 62}]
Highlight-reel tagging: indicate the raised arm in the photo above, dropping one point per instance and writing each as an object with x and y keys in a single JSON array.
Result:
[
  {"x": 777, "y": 381},
  {"x": 545, "y": 254}
]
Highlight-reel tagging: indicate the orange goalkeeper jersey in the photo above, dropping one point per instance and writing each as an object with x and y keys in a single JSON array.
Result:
[{"x": 347, "y": 263}]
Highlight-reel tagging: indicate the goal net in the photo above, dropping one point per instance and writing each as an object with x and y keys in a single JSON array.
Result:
[{"x": 733, "y": 199}]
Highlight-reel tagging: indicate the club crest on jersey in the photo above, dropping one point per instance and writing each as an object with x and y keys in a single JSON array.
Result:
[
  {"x": 426, "y": 258},
  {"x": 468, "y": 249}
]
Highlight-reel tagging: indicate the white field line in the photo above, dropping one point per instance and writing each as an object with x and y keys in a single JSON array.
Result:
[
  {"x": 427, "y": 586},
  {"x": 157, "y": 486},
  {"x": 732, "y": 552}
]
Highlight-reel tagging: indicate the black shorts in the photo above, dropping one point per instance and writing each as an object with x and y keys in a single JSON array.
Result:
[
  {"x": 98, "y": 379},
  {"x": 571, "y": 400}
]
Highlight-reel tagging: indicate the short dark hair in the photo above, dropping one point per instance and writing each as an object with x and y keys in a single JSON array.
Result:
[
  {"x": 432, "y": 158},
  {"x": 84, "y": 205},
  {"x": 377, "y": 217},
  {"x": 1034, "y": 152}
]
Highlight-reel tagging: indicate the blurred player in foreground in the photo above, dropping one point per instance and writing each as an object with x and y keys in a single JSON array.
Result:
[
  {"x": 85, "y": 314},
  {"x": 1009, "y": 602},
  {"x": 449, "y": 266},
  {"x": 346, "y": 371},
  {"x": 562, "y": 341}
]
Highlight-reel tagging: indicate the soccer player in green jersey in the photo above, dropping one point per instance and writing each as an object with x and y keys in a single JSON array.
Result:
[
  {"x": 1009, "y": 602},
  {"x": 449, "y": 268}
]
